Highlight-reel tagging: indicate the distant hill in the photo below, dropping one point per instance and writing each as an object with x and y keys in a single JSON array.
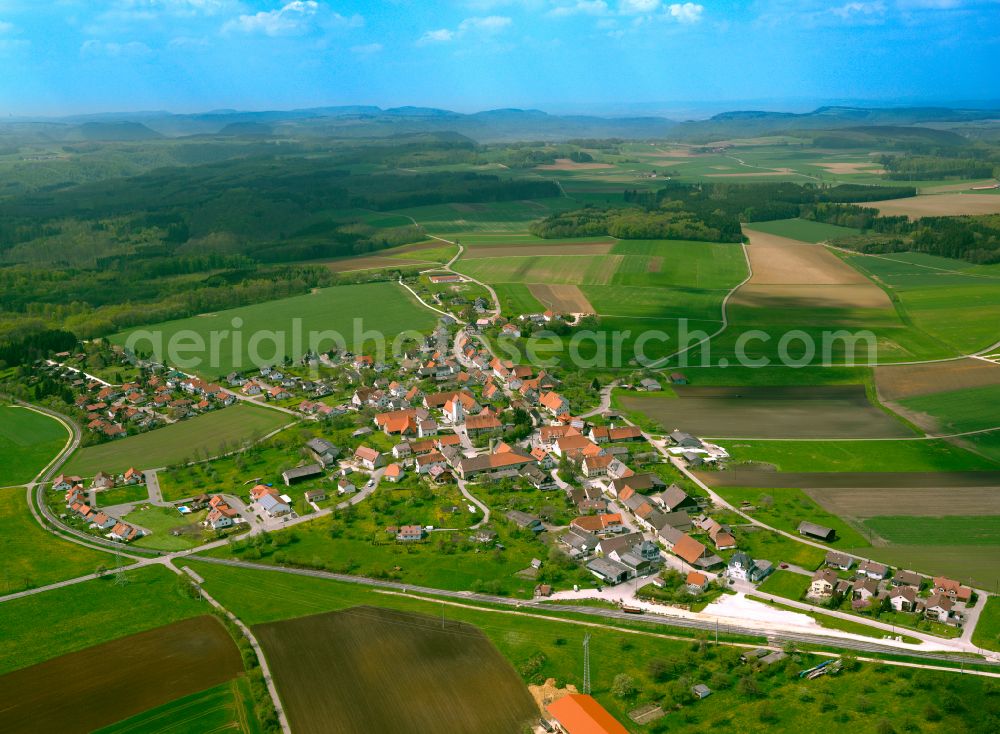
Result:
[
  {"x": 499, "y": 125},
  {"x": 123, "y": 131}
]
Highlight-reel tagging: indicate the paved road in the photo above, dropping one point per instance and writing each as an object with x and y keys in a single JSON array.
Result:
[{"x": 605, "y": 403}]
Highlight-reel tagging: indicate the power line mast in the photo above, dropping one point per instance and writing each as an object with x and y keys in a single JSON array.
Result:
[
  {"x": 586, "y": 664},
  {"x": 120, "y": 578}
]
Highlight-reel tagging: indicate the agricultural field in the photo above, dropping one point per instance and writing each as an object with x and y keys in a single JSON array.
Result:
[
  {"x": 936, "y": 498},
  {"x": 367, "y": 669},
  {"x": 955, "y": 411},
  {"x": 35, "y": 557},
  {"x": 153, "y": 668},
  {"x": 955, "y": 303},
  {"x": 541, "y": 649},
  {"x": 350, "y": 311},
  {"x": 832, "y": 411},
  {"x": 101, "y": 610},
  {"x": 895, "y": 382},
  {"x": 219, "y": 430},
  {"x": 223, "y": 708},
  {"x": 856, "y": 456},
  {"x": 975, "y": 565},
  {"x": 28, "y": 442},
  {"x": 420, "y": 255},
  {"x": 803, "y": 230},
  {"x": 938, "y": 205},
  {"x": 452, "y": 221},
  {"x": 977, "y": 530}
]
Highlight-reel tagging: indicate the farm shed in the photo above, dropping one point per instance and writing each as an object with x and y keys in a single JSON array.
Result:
[
  {"x": 819, "y": 532},
  {"x": 581, "y": 714},
  {"x": 301, "y": 472}
]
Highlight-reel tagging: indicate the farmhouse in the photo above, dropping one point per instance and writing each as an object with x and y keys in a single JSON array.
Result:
[
  {"x": 608, "y": 523},
  {"x": 323, "y": 451},
  {"x": 485, "y": 422},
  {"x": 124, "y": 532},
  {"x": 445, "y": 278},
  {"x": 580, "y": 714},
  {"x": 315, "y": 495},
  {"x": 744, "y": 568},
  {"x": 394, "y": 473},
  {"x": 493, "y": 466},
  {"x": 903, "y": 599},
  {"x": 939, "y": 607},
  {"x": 410, "y": 533},
  {"x": 873, "y": 570},
  {"x": 908, "y": 578},
  {"x": 840, "y": 561},
  {"x": 812, "y": 530},
  {"x": 368, "y": 457},
  {"x": 609, "y": 570},
  {"x": 694, "y": 553},
  {"x": 524, "y": 520}
]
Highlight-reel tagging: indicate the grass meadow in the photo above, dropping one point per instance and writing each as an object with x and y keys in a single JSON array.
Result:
[
  {"x": 28, "y": 442},
  {"x": 956, "y": 411},
  {"x": 33, "y": 556},
  {"x": 211, "y": 432},
  {"x": 978, "y": 530},
  {"x": 350, "y": 310}
]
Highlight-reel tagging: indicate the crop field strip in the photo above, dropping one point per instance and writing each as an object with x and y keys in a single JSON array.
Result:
[
  {"x": 938, "y": 205},
  {"x": 367, "y": 669},
  {"x": 120, "y": 678},
  {"x": 836, "y": 411},
  {"x": 851, "y": 480}
]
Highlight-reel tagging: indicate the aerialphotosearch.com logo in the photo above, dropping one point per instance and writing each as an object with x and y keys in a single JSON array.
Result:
[{"x": 584, "y": 348}]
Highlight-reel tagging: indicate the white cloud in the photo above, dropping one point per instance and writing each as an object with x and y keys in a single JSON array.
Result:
[
  {"x": 112, "y": 49},
  {"x": 6, "y": 27},
  {"x": 580, "y": 7},
  {"x": 854, "y": 10},
  {"x": 928, "y": 4},
  {"x": 187, "y": 42},
  {"x": 442, "y": 35},
  {"x": 686, "y": 12},
  {"x": 488, "y": 25},
  {"x": 638, "y": 7},
  {"x": 292, "y": 19},
  {"x": 367, "y": 49}
]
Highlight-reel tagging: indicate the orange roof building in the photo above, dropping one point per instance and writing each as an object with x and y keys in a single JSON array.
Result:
[{"x": 581, "y": 714}]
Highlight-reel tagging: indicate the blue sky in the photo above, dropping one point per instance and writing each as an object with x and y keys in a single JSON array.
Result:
[{"x": 63, "y": 56}]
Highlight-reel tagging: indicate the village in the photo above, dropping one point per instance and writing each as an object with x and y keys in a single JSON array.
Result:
[{"x": 448, "y": 415}]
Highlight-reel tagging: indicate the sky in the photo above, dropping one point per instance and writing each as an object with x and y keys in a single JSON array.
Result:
[{"x": 603, "y": 56}]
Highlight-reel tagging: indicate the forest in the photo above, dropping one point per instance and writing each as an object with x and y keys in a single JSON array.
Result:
[{"x": 705, "y": 212}]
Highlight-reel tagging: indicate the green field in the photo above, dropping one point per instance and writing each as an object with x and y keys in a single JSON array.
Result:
[
  {"x": 28, "y": 442},
  {"x": 179, "y": 441},
  {"x": 777, "y": 548},
  {"x": 803, "y": 229},
  {"x": 957, "y": 411},
  {"x": 950, "y": 530},
  {"x": 785, "y": 508},
  {"x": 987, "y": 633},
  {"x": 225, "y": 708},
  {"x": 958, "y": 305},
  {"x": 121, "y": 495},
  {"x": 454, "y": 220},
  {"x": 33, "y": 556},
  {"x": 171, "y": 531},
  {"x": 354, "y": 312},
  {"x": 785, "y": 583},
  {"x": 35, "y": 627},
  {"x": 857, "y": 456}
]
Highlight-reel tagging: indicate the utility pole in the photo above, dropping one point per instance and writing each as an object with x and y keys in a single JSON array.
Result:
[{"x": 586, "y": 664}]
